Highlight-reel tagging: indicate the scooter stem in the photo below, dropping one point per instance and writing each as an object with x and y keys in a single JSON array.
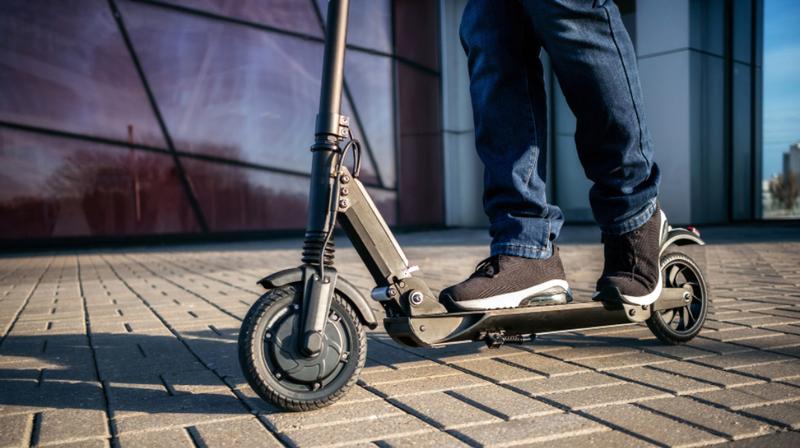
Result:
[{"x": 330, "y": 98}]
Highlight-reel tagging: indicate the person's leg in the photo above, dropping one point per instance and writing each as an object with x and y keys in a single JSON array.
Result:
[
  {"x": 510, "y": 113},
  {"x": 594, "y": 60},
  {"x": 508, "y": 101}
]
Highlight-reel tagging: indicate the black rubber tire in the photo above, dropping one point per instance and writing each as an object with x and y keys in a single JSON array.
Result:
[
  {"x": 263, "y": 380},
  {"x": 661, "y": 328}
]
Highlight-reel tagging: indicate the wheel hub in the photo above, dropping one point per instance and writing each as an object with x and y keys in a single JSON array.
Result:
[{"x": 283, "y": 347}]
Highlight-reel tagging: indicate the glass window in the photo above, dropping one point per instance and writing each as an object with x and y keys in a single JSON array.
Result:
[
  {"x": 292, "y": 15},
  {"x": 370, "y": 80},
  {"x": 231, "y": 91},
  {"x": 64, "y": 65},
  {"x": 369, "y": 23},
  {"x": 234, "y": 198},
  {"x": 56, "y": 187},
  {"x": 781, "y": 110}
]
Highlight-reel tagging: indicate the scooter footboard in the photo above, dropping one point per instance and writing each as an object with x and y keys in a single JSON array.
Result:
[{"x": 432, "y": 330}]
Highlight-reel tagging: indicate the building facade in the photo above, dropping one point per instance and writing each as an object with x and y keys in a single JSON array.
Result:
[
  {"x": 122, "y": 118},
  {"x": 150, "y": 118}
]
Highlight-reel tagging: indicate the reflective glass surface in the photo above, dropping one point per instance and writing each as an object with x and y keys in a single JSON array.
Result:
[
  {"x": 370, "y": 81},
  {"x": 230, "y": 91},
  {"x": 56, "y": 187},
  {"x": 369, "y": 24},
  {"x": 291, "y": 15},
  {"x": 64, "y": 65},
  {"x": 234, "y": 198}
]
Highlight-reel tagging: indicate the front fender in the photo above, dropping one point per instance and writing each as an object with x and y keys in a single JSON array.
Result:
[
  {"x": 680, "y": 237},
  {"x": 344, "y": 287}
]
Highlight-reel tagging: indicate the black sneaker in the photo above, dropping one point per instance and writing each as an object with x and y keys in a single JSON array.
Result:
[
  {"x": 504, "y": 281},
  {"x": 632, "y": 273}
]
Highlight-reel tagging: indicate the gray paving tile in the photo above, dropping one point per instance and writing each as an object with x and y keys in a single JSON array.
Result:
[
  {"x": 720, "y": 421},
  {"x": 653, "y": 427}
]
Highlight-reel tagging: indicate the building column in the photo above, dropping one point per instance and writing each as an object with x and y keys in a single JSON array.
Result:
[{"x": 463, "y": 171}]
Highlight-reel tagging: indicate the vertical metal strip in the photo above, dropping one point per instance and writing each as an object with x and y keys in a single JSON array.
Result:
[
  {"x": 728, "y": 102},
  {"x": 190, "y": 195}
]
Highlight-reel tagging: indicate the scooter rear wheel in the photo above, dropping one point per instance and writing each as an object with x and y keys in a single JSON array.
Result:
[
  {"x": 275, "y": 368},
  {"x": 679, "y": 325}
]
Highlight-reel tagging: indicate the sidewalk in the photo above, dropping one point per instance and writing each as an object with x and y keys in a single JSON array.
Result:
[{"x": 137, "y": 347}]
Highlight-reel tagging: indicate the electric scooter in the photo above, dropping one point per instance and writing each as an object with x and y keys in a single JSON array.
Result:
[{"x": 303, "y": 343}]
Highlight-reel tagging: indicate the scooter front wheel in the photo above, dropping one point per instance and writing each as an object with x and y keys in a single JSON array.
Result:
[
  {"x": 270, "y": 356},
  {"x": 679, "y": 325}
]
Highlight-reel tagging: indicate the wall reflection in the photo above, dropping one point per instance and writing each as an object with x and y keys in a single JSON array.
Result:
[
  {"x": 82, "y": 152},
  {"x": 56, "y": 187}
]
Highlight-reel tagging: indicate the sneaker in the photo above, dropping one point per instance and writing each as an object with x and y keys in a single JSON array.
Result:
[
  {"x": 504, "y": 281},
  {"x": 632, "y": 273}
]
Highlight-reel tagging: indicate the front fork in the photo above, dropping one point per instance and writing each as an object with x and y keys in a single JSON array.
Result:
[{"x": 336, "y": 192}]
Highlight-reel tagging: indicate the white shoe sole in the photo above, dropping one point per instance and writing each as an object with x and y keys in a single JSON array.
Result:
[
  {"x": 511, "y": 299},
  {"x": 652, "y": 296}
]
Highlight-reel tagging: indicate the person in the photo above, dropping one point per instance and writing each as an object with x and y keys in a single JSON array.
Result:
[{"x": 594, "y": 61}]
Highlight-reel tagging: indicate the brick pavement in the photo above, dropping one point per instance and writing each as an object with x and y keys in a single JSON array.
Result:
[{"x": 137, "y": 347}]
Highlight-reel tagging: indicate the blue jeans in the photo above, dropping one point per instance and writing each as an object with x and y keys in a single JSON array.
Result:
[{"x": 594, "y": 61}]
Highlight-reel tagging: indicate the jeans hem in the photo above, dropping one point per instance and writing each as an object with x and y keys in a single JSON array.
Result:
[
  {"x": 634, "y": 222},
  {"x": 522, "y": 250}
]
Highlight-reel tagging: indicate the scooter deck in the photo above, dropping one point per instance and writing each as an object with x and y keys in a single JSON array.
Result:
[{"x": 435, "y": 329}]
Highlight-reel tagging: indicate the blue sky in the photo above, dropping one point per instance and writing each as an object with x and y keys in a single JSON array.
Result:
[{"x": 781, "y": 81}]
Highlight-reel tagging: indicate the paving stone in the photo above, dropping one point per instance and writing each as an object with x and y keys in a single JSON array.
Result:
[
  {"x": 15, "y": 430},
  {"x": 498, "y": 371},
  {"x": 625, "y": 361},
  {"x": 743, "y": 359},
  {"x": 83, "y": 443},
  {"x": 654, "y": 427},
  {"x": 559, "y": 384},
  {"x": 605, "y": 396},
  {"x": 774, "y": 372},
  {"x": 751, "y": 396},
  {"x": 332, "y": 415},
  {"x": 781, "y": 340},
  {"x": 505, "y": 403},
  {"x": 777, "y": 440},
  {"x": 717, "y": 420},
  {"x": 616, "y": 439},
  {"x": 184, "y": 410},
  {"x": 445, "y": 411},
  {"x": 60, "y": 425},
  {"x": 669, "y": 381},
  {"x": 786, "y": 414},
  {"x": 544, "y": 365},
  {"x": 707, "y": 374},
  {"x": 592, "y": 351},
  {"x": 361, "y": 431},
  {"x": 716, "y": 346},
  {"x": 424, "y": 440},
  {"x": 395, "y": 376},
  {"x": 174, "y": 437},
  {"x": 246, "y": 432},
  {"x": 547, "y": 428},
  {"x": 425, "y": 385},
  {"x": 680, "y": 352}
]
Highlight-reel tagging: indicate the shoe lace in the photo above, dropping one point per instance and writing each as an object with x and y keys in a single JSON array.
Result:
[{"x": 488, "y": 267}]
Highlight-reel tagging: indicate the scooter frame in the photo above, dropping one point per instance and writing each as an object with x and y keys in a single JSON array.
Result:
[{"x": 414, "y": 315}]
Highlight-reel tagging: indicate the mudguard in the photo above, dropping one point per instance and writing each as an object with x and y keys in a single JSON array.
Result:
[
  {"x": 345, "y": 288},
  {"x": 681, "y": 237}
]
